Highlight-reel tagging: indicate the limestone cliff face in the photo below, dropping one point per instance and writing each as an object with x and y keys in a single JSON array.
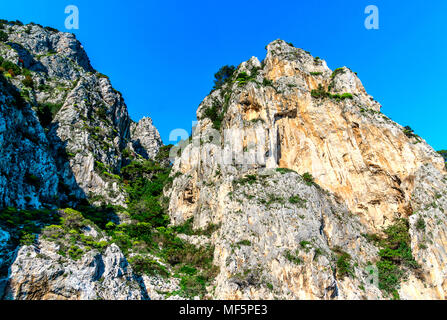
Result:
[
  {"x": 291, "y": 111},
  {"x": 146, "y": 140},
  {"x": 348, "y": 146},
  {"x": 87, "y": 133},
  {"x": 291, "y": 164},
  {"x": 42, "y": 274},
  {"x": 28, "y": 174},
  {"x": 65, "y": 133}
]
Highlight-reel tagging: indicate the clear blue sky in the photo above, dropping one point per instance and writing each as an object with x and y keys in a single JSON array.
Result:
[{"x": 162, "y": 55}]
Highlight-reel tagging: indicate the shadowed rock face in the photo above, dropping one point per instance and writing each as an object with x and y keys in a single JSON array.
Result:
[
  {"x": 63, "y": 139},
  {"x": 295, "y": 113},
  {"x": 81, "y": 147},
  {"x": 28, "y": 174}
]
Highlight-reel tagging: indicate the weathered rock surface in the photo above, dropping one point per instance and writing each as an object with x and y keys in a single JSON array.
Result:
[
  {"x": 63, "y": 138},
  {"x": 89, "y": 137},
  {"x": 44, "y": 274},
  {"x": 293, "y": 162},
  {"x": 145, "y": 138},
  {"x": 28, "y": 174},
  {"x": 293, "y": 112}
]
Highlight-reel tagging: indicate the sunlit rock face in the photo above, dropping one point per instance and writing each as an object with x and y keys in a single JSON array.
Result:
[
  {"x": 293, "y": 164},
  {"x": 291, "y": 111}
]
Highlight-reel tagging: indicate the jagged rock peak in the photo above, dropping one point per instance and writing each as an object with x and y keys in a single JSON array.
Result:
[
  {"x": 40, "y": 41},
  {"x": 145, "y": 138},
  {"x": 81, "y": 122},
  {"x": 293, "y": 116}
]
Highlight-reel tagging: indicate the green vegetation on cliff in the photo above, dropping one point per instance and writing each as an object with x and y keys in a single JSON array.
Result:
[{"x": 151, "y": 245}]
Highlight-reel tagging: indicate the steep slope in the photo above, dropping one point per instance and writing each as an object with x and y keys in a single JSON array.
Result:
[
  {"x": 293, "y": 185},
  {"x": 28, "y": 174},
  {"x": 65, "y": 134},
  {"x": 88, "y": 130},
  {"x": 291, "y": 111}
]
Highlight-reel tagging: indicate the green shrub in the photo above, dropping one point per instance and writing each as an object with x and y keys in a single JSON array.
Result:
[
  {"x": 100, "y": 75},
  {"x": 192, "y": 286},
  {"x": 389, "y": 276},
  {"x": 344, "y": 267},
  {"x": 443, "y": 153},
  {"x": 75, "y": 252},
  {"x": 72, "y": 219},
  {"x": 145, "y": 188},
  {"x": 308, "y": 179},
  {"x": 110, "y": 225},
  {"x": 243, "y": 77},
  {"x": 284, "y": 170},
  {"x": 163, "y": 153},
  {"x": 319, "y": 93},
  {"x": 27, "y": 239},
  {"x": 298, "y": 201},
  {"x": 145, "y": 265},
  {"x": 51, "y": 29},
  {"x": 16, "y": 23},
  {"x": 267, "y": 82},
  {"x": 223, "y": 76},
  {"x": 8, "y": 65},
  {"x": 420, "y": 224},
  {"x": 244, "y": 243},
  {"x": 28, "y": 82},
  {"x": 409, "y": 132},
  {"x": 250, "y": 179},
  {"x": 44, "y": 87},
  {"x": 337, "y": 72},
  {"x": 395, "y": 256},
  {"x": 293, "y": 257},
  {"x": 187, "y": 228},
  {"x": 215, "y": 114},
  {"x": 305, "y": 245},
  {"x": 101, "y": 112},
  {"x": 3, "y": 36},
  {"x": 46, "y": 112},
  {"x": 53, "y": 232}
]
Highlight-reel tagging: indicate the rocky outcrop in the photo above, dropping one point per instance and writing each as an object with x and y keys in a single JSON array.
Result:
[
  {"x": 292, "y": 112},
  {"x": 65, "y": 133},
  {"x": 42, "y": 274},
  {"x": 86, "y": 136},
  {"x": 28, "y": 174},
  {"x": 291, "y": 175},
  {"x": 347, "y": 144},
  {"x": 145, "y": 138}
]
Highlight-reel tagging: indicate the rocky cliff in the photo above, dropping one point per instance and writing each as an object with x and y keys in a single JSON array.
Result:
[
  {"x": 293, "y": 185},
  {"x": 365, "y": 181},
  {"x": 84, "y": 135},
  {"x": 65, "y": 134}
]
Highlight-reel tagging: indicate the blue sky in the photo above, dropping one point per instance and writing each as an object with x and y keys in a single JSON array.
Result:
[{"x": 162, "y": 55}]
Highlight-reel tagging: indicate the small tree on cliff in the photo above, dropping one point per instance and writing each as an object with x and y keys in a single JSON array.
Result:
[{"x": 221, "y": 76}]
